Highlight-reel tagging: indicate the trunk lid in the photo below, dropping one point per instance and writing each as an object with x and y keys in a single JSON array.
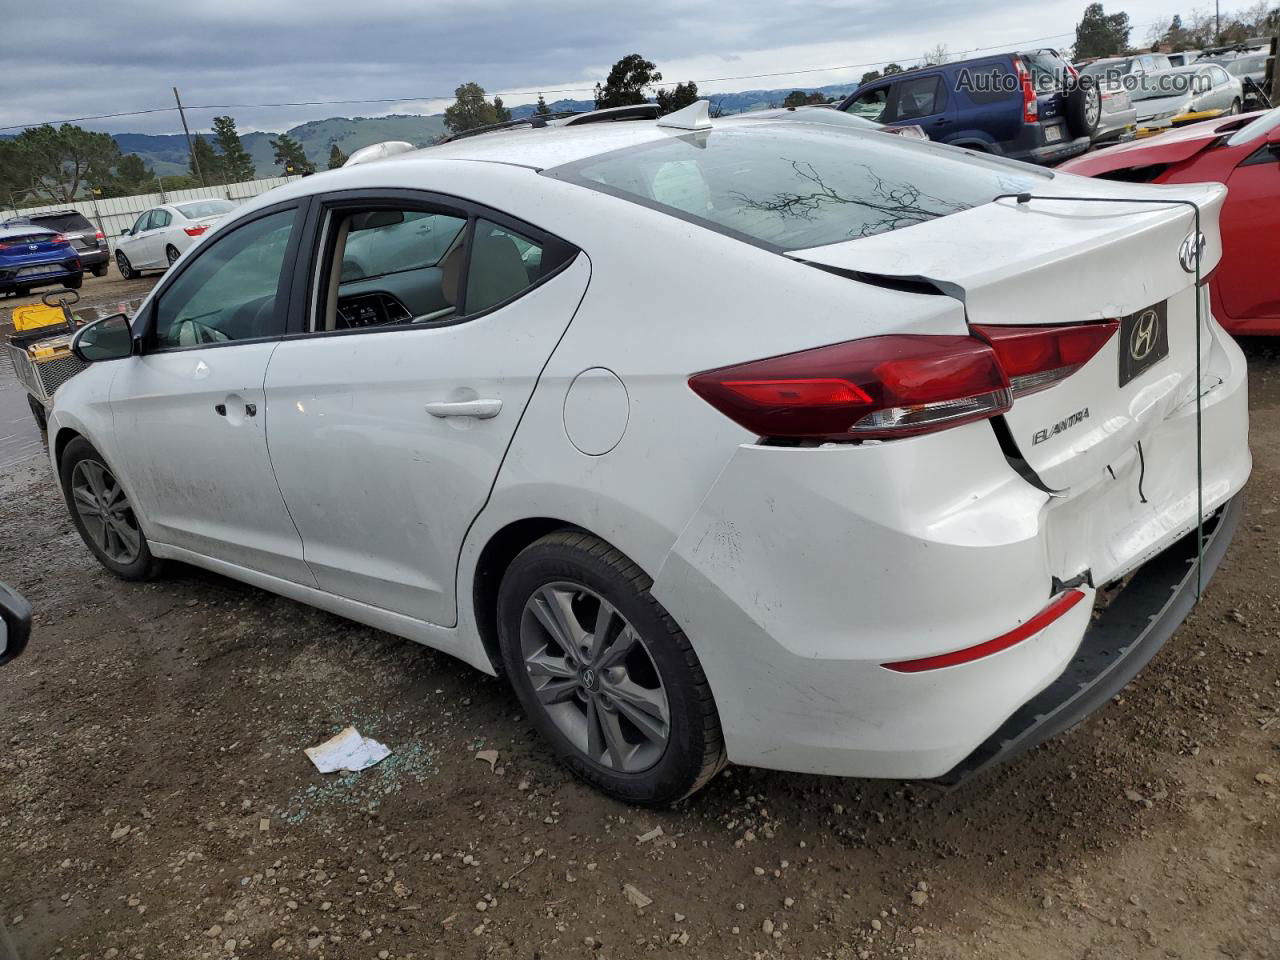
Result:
[{"x": 1050, "y": 262}]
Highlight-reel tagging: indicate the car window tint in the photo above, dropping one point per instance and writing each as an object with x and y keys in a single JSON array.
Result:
[
  {"x": 393, "y": 241},
  {"x": 392, "y": 267},
  {"x": 503, "y": 263},
  {"x": 140, "y": 224},
  {"x": 160, "y": 218},
  {"x": 871, "y": 105},
  {"x": 199, "y": 209},
  {"x": 794, "y": 185},
  {"x": 989, "y": 84},
  {"x": 64, "y": 222},
  {"x": 229, "y": 291},
  {"x": 918, "y": 97}
]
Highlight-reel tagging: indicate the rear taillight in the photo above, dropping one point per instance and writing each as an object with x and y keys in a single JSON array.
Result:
[
  {"x": 99, "y": 236},
  {"x": 196, "y": 230},
  {"x": 1030, "y": 108},
  {"x": 873, "y": 389},
  {"x": 58, "y": 238},
  {"x": 1035, "y": 358}
]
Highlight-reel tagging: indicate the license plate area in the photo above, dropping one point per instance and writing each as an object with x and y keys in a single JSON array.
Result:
[
  {"x": 40, "y": 270},
  {"x": 1053, "y": 133},
  {"x": 1144, "y": 340}
]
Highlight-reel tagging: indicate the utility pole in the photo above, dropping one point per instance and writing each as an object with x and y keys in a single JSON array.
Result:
[
  {"x": 1217, "y": 21},
  {"x": 195, "y": 161}
]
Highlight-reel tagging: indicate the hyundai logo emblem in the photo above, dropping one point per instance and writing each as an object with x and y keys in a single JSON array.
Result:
[
  {"x": 1142, "y": 339},
  {"x": 1190, "y": 250}
]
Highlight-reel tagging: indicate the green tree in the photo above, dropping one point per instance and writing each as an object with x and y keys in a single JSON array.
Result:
[
  {"x": 1099, "y": 34},
  {"x": 210, "y": 169},
  {"x": 798, "y": 98},
  {"x": 678, "y": 97},
  {"x": 892, "y": 68},
  {"x": 627, "y": 82},
  {"x": 336, "y": 157},
  {"x": 132, "y": 176},
  {"x": 869, "y": 76},
  {"x": 237, "y": 165},
  {"x": 541, "y": 110},
  {"x": 58, "y": 164},
  {"x": 471, "y": 110},
  {"x": 290, "y": 156}
]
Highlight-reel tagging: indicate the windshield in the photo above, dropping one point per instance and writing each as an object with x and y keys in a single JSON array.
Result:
[
  {"x": 1258, "y": 128},
  {"x": 199, "y": 209},
  {"x": 1101, "y": 68},
  {"x": 1245, "y": 65},
  {"x": 791, "y": 186}
]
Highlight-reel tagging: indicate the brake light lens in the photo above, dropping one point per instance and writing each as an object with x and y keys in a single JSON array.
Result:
[
  {"x": 196, "y": 230},
  {"x": 1030, "y": 108},
  {"x": 872, "y": 389},
  {"x": 1035, "y": 358},
  {"x": 99, "y": 236}
]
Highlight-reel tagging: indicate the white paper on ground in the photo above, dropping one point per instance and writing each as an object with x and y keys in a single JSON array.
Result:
[{"x": 347, "y": 751}]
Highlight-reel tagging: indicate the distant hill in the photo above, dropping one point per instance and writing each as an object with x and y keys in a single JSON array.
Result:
[{"x": 166, "y": 154}]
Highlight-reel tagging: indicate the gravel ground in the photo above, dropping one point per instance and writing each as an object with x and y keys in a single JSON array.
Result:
[{"x": 155, "y": 801}]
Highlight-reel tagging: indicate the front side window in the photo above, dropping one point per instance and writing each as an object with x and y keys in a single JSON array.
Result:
[
  {"x": 871, "y": 105},
  {"x": 792, "y": 186},
  {"x": 230, "y": 290},
  {"x": 140, "y": 225}
]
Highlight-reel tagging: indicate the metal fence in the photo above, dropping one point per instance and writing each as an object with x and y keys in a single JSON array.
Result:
[{"x": 114, "y": 214}]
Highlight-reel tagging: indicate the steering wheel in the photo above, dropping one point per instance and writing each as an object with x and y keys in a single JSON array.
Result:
[{"x": 60, "y": 298}]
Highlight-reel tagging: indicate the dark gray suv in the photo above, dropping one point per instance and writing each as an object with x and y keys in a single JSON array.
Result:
[{"x": 87, "y": 239}]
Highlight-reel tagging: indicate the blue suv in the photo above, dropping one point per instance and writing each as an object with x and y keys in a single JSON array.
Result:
[
  {"x": 1025, "y": 106},
  {"x": 36, "y": 257}
]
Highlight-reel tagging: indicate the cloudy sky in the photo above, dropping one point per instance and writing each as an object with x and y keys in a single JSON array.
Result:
[{"x": 130, "y": 53}]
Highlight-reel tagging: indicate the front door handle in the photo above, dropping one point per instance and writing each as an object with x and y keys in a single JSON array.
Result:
[{"x": 480, "y": 409}]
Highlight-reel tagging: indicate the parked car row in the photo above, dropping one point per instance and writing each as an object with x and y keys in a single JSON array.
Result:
[{"x": 848, "y": 512}]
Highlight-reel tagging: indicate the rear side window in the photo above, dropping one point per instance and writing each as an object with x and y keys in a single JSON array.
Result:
[
  {"x": 989, "y": 83},
  {"x": 502, "y": 264},
  {"x": 791, "y": 186},
  {"x": 1048, "y": 71},
  {"x": 919, "y": 97}
]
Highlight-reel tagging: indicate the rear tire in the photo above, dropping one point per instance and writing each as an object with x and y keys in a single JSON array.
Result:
[
  {"x": 38, "y": 411},
  {"x": 96, "y": 498},
  {"x": 75, "y": 283},
  {"x": 125, "y": 267},
  {"x": 171, "y": 254},
  {"x": 642, "y": 666},
  {"x": 100, "y": 270},
  {"x": 1084, "y": 109},
  {"x": 22, "y": 291}
]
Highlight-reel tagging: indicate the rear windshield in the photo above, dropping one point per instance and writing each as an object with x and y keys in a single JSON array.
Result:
[
  {"x": 789, "y": 185},
  {"x": 63, "y": 222},
  {"x": 1048, "y": 71},
  {"x": 199, "y": 209}
]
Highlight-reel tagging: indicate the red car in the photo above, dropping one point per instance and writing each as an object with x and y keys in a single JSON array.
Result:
[{"x": 1244, "y": 153}]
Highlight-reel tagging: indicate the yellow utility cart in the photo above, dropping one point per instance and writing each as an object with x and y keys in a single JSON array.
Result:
[{"x": 40, "y": 348}]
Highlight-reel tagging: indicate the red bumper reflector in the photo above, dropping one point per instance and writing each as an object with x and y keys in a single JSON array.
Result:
[{"x": 1056, "y": 608}]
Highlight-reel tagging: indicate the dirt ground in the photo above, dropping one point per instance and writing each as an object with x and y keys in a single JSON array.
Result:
[{"x": 155, "y": 801}]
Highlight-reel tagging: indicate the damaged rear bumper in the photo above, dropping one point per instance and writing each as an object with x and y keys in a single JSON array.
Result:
[{"x": 1119, "y": 642}]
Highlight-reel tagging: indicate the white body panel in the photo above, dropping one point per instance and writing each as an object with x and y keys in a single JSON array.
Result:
[{"x": 795, "y": 572}]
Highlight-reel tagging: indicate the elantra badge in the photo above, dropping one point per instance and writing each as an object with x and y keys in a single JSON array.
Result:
[{"x": 1190, "y": 251}]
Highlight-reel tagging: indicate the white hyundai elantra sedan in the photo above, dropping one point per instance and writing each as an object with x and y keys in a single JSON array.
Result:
[{"x": 754, "y": 441}]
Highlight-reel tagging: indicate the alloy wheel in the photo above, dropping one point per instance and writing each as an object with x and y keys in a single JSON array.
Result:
[
  {"x": 171, "y": 255},
  {"x": 1093, "y": 108},
  {"x": 105, "y": 511},
  {"x": 594, "y": 677},
  {"x": 122, "y": 263}
]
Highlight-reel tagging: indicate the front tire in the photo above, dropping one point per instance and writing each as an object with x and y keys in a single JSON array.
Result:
[
  {"x": 125, "y": 267},
  {"x": 1235, "y": 108},
  {"x": 102, "y": 514},
  {"x": 604, "y": 673}
]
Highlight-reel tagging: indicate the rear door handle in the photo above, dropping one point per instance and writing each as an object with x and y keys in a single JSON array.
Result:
[{"x": 480, "y": 409}]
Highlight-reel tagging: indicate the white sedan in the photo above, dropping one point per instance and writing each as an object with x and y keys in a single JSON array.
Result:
[
  {"x": 739, "y": 441},
  {"x": 162, "y": 234}
]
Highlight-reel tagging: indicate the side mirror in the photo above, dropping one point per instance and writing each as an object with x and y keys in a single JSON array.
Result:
[
  {"x": 125, "y": 232},
  {"x": 105, "y": 339},
  {"x": 15, "y": 624}
]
